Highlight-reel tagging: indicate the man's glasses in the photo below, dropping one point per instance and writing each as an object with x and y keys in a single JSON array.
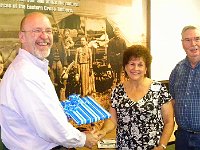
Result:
[
  {"x": 188, "y": 40},
  {"x": 40, "y": 31}
]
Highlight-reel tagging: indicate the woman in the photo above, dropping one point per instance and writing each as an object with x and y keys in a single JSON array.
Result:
[
  {"x": 83, "y": 62},
  {"x": 141, "y": 108}
]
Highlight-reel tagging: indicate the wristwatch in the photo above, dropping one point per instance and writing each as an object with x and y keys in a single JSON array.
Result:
[{"x": 163, "y": 146}]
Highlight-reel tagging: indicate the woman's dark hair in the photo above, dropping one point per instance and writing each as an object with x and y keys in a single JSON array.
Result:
[{"x": 137, "y": 51}]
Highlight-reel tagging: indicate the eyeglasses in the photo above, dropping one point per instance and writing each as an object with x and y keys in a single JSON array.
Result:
[
  {"x": 188, "y": 40},
  {"x": 40, "y": 31}
]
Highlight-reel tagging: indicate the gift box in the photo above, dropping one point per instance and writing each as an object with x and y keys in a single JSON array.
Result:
[{"x": 84, "y": 110}]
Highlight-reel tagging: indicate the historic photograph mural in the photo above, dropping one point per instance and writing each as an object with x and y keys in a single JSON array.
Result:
[{"x": 89, "y": 39}]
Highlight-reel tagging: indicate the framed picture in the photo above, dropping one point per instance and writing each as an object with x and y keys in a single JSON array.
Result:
[{"x": 77, "y": 24}]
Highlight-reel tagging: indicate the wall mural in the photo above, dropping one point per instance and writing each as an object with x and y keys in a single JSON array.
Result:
[{"x": 89, "y": 39}]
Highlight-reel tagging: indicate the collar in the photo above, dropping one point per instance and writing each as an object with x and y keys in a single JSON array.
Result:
[
  {"x": 42, "y": 64},
  {"x": 187, "y": 63}
]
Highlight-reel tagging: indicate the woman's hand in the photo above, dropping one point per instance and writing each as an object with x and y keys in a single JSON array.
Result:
[{"x": 100, "y": 134}]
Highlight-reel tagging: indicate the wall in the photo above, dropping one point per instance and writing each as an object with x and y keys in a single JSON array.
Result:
[{"x": 168, "y": 17}]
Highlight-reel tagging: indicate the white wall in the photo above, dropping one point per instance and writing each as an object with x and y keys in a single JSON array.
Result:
[{"x": 168, "y": 17}]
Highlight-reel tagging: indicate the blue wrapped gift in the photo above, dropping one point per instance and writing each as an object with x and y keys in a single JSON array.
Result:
[{"x": 84, "y": 110}]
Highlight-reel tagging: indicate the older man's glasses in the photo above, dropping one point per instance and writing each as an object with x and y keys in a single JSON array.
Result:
[
  {"x": 188, "y": 40},
  {"x": 40, "y": 31}
]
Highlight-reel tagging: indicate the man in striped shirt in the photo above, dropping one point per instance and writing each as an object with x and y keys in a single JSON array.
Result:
[{"x": 184, "y": 86}]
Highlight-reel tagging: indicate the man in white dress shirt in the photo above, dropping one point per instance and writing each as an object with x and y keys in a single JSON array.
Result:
[{"x": 31, "y": 115}]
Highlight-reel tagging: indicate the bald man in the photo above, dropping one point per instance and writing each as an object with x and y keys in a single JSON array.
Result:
[{"x": 31, "y": 115}]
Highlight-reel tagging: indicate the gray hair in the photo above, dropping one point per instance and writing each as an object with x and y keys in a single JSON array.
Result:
[{"x": 189, "y": 27}]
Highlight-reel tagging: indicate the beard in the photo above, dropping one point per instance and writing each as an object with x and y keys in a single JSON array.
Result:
[{"x": 41, "y": 54}]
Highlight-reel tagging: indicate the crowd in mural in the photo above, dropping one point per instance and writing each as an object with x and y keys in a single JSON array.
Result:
[{"x": 77, "y": 66}]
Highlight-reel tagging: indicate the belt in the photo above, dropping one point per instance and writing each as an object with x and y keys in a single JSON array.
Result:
[{"x": 191, "y": 131}]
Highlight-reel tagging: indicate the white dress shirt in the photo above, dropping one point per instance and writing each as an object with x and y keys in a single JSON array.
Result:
[{"x": 31, "y": 115}]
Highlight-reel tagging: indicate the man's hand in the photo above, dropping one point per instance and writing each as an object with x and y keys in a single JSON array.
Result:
[{"x": 91, "y": 140}]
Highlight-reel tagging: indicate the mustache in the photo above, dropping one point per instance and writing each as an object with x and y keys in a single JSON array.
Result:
[
  {"x": 43, "y": 41},
  {"x": 194, "y": 47}
]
